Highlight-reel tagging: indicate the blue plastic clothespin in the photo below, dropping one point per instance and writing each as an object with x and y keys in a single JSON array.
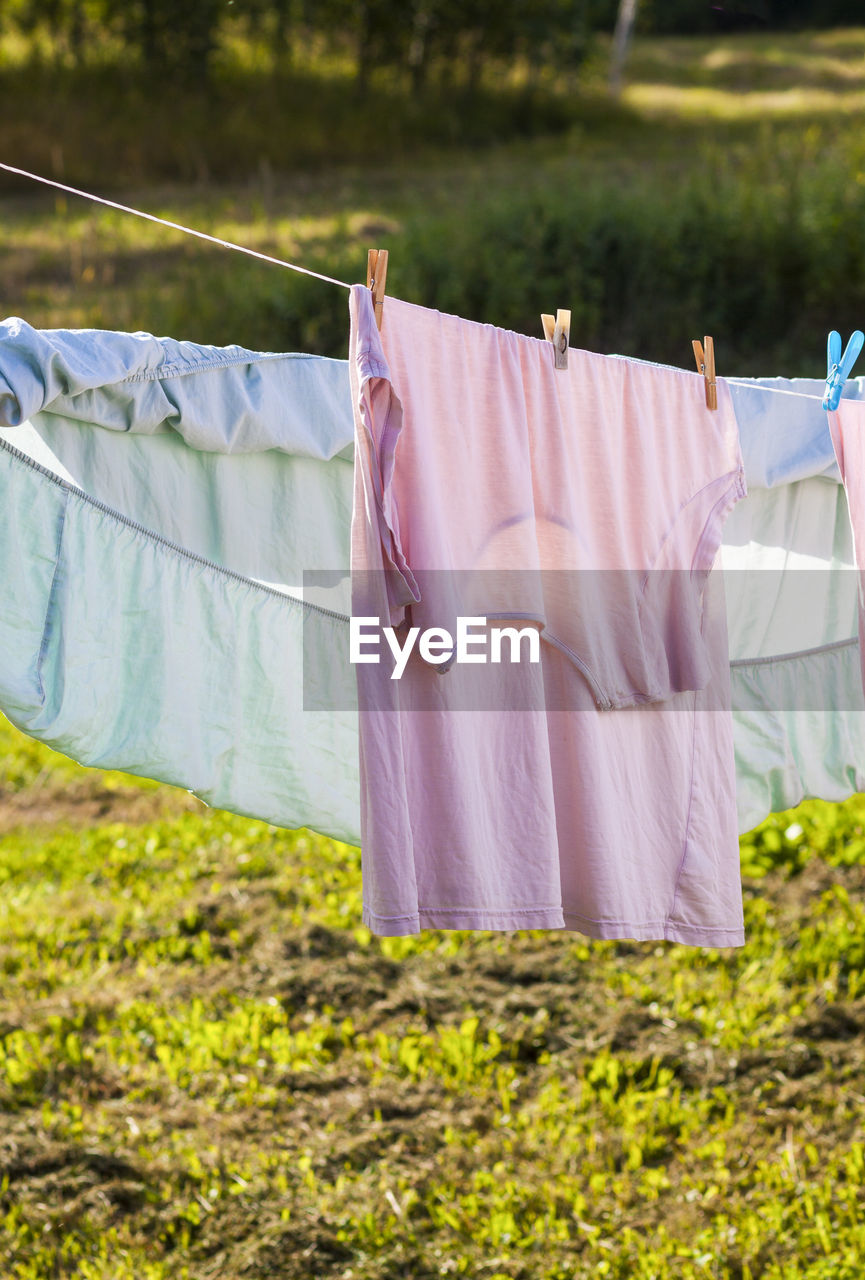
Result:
[{"x": 840, "y": 366}]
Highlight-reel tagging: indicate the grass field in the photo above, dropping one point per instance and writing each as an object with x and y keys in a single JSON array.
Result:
[{"x": 209, "y": 1069}]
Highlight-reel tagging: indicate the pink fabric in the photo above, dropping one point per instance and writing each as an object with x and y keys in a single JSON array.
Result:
[
  {"x": 482, "y": 474},
  {"x": 847, "y": 428}
]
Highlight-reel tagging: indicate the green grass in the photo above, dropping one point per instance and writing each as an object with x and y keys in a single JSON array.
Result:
[{"x": 209, "y": 1067}]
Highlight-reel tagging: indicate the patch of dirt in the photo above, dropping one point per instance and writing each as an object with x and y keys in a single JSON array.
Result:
[
  {"x": 792, "y": 896},
  {"x": 843, "y": 1021},
  {"x": 86, "y": 805},
  {"x": 62, "y": 1181}
]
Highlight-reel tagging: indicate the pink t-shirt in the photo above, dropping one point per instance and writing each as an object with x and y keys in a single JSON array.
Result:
[{"x": 593, "y": 789}]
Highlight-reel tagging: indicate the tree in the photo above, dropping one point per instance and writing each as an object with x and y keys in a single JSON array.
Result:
[{"x": 621, "y": 41}]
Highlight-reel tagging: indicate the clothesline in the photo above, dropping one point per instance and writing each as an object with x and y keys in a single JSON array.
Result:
[{"x": 175, "y": 226}]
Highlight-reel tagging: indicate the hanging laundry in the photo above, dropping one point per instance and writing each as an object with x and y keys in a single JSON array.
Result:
[
  {"x": 783, "y": 431},
  {"x": 163, "y": 434},
  {"x": 153, "y": 564},
  {"x": 787, "y": 555},
  {"x": 622, "y": 823}
]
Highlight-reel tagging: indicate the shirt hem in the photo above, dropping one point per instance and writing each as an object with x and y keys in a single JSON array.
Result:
[
  {"x": 551, "y": 918},
  {"x": 658, "y": 931}
]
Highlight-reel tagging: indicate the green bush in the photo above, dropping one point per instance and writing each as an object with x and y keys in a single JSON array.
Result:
[{"x": 767, "y": 267}]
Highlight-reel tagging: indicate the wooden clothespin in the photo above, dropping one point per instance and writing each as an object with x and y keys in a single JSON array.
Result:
[
  {"x": 706, "y": 365},
  {"x": 558, "y": 332},
  {"x": 376, "y": 274}
]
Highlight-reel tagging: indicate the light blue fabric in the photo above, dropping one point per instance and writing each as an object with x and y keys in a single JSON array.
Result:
[
  {"x": 151, "y": 661},
  {"x": 218, "y": 449},
  {"x": 791, "y": 590},
  {"x": 219, "y": 399},
  {"x": 152, "y": 618},
  {"x": 783, "y": 432},
  {"x": 791, "y": 586}
]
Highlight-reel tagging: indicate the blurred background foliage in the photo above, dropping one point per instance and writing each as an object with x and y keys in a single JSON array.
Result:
[
  {"x": 446, "y": 40},
  {"x": 723, "y": 191},
  {"x": 422, "y": 39}
]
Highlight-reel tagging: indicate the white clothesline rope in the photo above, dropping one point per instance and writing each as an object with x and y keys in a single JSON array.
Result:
[{"x": 175, "y": 226}]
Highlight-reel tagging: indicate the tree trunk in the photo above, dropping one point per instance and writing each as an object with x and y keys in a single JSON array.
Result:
[{"x": 621, "y": 40}]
